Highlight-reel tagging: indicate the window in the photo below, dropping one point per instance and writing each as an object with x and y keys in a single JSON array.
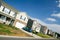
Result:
[
  {"x": 2, "y": 17},
  {"x": 1, "y": 8},
  {"x": 9, "y": 11},
  {"x": 12, "y": 13},
  {"x": 23, "y": 18},
  {"x": 6, "y": 10}
]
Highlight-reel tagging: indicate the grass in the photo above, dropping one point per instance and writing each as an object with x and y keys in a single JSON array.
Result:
[
  {"x": 12, "y": 31},
  {"x": 43, "y": 35}
]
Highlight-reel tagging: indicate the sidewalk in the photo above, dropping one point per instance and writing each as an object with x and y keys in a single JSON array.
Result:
[
  {"x": 34, "y": 35},
  {"x": 6, "y": 37}
]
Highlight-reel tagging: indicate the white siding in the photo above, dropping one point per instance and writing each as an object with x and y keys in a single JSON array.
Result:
[
  {"x": 19, "y": 25},
  {"x": 1, "y": 8},
  {"x": 12, "y": 14},
  {"x": 6, "y": 10},
  {"x": 3, "y": 19},
  {"x": 23, "y": 16},
  {"x": 46, "y": 31},
  {"x": 36, "y": 26}
]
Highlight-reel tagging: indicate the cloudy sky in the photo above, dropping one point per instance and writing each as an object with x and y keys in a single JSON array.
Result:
[{"x": 46, "y": 10}]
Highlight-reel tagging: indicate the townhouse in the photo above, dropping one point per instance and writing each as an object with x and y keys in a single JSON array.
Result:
[
  {"x": 39, "y": 28},
  {"x": 50, "y": 32},
  {"x": 36, "y": 26},
  {"x": 21, "y": 20},
  {"x": 56, "y": 35},
  {"x": 53, "y": 34},
  {"x": 11, "y": 16},
  {"x": 7, "y": 13},
  {"x": 44, "y": 29}
]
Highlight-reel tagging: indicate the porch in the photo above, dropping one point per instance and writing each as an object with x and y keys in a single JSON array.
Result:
[{"x": 6, "y": 20}]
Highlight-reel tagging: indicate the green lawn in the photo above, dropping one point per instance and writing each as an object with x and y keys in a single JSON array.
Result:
[
  {"x": 12, "y": 31},
  {"x": 6, "y": 29},
  {"x": 43, "y": 35}
]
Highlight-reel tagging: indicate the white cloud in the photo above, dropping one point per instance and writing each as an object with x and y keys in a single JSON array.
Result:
[
  {"x": 54, "y": 27},
  {"x": 56, "y": 15},
  {"x": 40, "y": 21},
  {"x": 51, "y": 19},
  {"x": 58, "y": 3}
]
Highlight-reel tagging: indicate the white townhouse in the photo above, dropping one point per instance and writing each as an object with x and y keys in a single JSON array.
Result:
[
  {"x": 44, "y": 29},
  {"x": 21, "y": 20},
  {"x": 36, "y": 26},
  {"x": 11, "y": 16},
  {"x": 39, "y": 28},
  {"x": 7, "y": 13}
]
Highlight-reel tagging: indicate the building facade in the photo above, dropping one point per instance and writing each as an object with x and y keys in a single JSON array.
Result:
[
  {"x": 29, "y": 23},
  {"x": 21, "y": 20},
  {"x": 36, "y": 26},
  {"x": 44, "y": 29},
  {"x": 11, "y": 16},
  {"x": 7, "y": 13}
]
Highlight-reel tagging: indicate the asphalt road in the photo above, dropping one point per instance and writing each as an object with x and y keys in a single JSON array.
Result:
[{"x": 22, "y": 38}]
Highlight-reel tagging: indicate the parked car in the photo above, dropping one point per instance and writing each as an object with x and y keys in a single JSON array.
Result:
[{"x": 27, "y": 29}]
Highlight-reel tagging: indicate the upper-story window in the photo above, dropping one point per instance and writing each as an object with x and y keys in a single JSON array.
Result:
[
  {"x": 12, "y": 13},
  {"x": 1, "y": 8},
  {"x": 6, "y": 10},
  {"x": 23, "y": 18}
]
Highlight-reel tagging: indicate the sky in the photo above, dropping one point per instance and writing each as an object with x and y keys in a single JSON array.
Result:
[{"x": 46, "y": 11}]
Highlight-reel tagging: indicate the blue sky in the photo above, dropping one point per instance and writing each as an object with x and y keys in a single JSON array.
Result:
[{"x": 46, "y": 10}]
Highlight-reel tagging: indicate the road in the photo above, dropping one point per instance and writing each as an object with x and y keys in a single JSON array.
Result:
[{"x": 2, "y": 37}]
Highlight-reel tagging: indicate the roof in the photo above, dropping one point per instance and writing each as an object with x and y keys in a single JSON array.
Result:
[{"x": 9, "y": 7}]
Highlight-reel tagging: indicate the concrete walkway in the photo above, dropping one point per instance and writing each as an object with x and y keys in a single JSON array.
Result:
[{"x": 34, "y": 35}]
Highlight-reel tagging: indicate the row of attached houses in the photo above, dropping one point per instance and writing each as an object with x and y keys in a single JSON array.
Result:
[
  {"x": 43, "y": 29},
  {"x": 11, "y": 16},
  {"x": 38, "y": 27},
  {"x": 21, "y": 20},
  {"x": 7, "y": 13},
  {"x": 35, "y": 25}
]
